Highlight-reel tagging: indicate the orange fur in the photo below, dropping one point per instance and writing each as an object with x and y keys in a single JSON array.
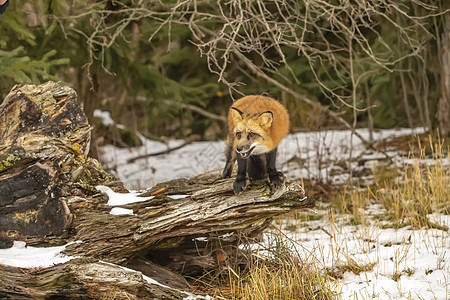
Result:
[
  {"x": 256, "y": 125},
  {"x": 252, "y": 107}
]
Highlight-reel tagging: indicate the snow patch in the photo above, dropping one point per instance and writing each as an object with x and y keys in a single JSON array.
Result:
[
  {"x": 118, "y": 211},
  {"x": 178, "y": 196},
  {"x": 408, "y": 264},
  {"x": 22, "y": 256},
  {"x": 117, "y": 199}
]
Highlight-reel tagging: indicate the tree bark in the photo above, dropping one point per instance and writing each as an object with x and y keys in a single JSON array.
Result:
[
  {"x": 173, "y": 230},
  {"x": 48, "y": 197},
  {"x": 81, "y": 279},
  {"x": 42, "y": 131},
  {"x": 444, "y": 101}
]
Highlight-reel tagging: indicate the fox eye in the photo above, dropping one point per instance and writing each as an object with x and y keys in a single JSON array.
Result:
[
  {"x": 251, "y": 134},
  {"x": 238, "y": 135}
]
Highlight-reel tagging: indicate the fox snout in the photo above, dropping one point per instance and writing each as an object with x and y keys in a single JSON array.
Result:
[{"x": 245, "y": 151}]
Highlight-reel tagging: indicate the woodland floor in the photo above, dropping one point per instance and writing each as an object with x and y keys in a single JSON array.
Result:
[
  {"x": 380, "y": 229},
  {"x": 353, "y": 236}
]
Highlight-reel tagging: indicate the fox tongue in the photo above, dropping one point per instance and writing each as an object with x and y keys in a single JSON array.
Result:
[{"x": 245, "y": 154}]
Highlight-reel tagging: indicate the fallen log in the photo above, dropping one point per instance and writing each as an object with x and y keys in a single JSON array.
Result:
[
  {"x": 175, "y": 229},
  {"x": 48, "y": 196},
  {"x": 79, "y": 279}
]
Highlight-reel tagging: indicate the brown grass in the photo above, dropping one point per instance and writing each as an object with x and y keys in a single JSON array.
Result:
[
  {"x": 421, "y": 189},
  {"x": 283, "y": 276}
]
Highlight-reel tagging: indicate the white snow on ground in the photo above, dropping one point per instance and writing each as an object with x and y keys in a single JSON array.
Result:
[
  {"x": 314, "y": 155},
  {"x": 417, "y": 259},
  {"x": 22, "y": 256}
]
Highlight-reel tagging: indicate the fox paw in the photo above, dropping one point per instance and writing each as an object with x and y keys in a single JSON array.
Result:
[
  {"x": 277, "y": 180},
  {"x": 239, "y": 186}
]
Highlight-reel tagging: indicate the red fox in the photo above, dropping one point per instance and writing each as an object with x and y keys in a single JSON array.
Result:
[{"x": 256, "y": 125}]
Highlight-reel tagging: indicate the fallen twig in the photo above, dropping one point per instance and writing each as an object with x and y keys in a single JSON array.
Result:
[{"x": 192, "y": 138}]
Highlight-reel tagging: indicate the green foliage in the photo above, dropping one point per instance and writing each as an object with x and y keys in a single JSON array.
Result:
[
  {"x": 15, "y": 29},
  {"x": 21, "y": 62},
  {"x": 23, "y": 69}
]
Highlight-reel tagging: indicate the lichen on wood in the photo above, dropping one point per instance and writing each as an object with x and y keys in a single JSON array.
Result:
[{"x": 44, "y": 137}]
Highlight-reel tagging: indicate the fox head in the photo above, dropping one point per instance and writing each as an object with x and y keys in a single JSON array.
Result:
[{"x": 252, "y": 132}]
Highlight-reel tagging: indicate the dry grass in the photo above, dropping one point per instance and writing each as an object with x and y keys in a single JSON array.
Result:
[
  {"x": 288, "y": 281},
  {"x": 423, "y": 188},
  {"x": 275, "y": 271},
  {"x": 282, "y": 275},
  {"x": 408, "y": 193},
  {"x": 350, "y": 266}
]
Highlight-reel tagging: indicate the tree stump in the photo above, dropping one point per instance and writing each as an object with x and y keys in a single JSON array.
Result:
[
  {"x": 41, "y": 130},
  {"x": 48, "y": 197}
]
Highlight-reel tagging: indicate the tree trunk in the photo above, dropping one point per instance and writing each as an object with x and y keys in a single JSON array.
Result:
[
  {"x": 48, "y": 197},
  {"x": 405, "y": 100},
  {"x": 444, "y": 101}
]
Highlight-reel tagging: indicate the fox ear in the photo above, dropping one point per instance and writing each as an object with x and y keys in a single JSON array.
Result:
[
  {"x": 265, "y": 119},
  {"x": 236, "y": 115}
]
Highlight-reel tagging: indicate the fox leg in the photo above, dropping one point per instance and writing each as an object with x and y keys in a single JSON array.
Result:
[
  {"x": 256, "y": 167},
  {"x": 276, "y": 178},
  {"x": 241, "y": 177},
  {"x": 230, "y": 157}
]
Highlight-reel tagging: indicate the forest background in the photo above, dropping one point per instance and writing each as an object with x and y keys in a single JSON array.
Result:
[{"x": 171, "y": 69}]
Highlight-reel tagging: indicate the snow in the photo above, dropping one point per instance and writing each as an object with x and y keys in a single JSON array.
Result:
[
  {"x": 143, "y": 173},
  {"x": 22, "y": 256},
  {"x": 178, "y": 196},
  {"x": 121, "y": 211},
  {"x": 117, "y": 199},
  {"x": 105, "y": 117},
  {"x": 407, "y": 264},
  {"x": 314, "y": 155}
]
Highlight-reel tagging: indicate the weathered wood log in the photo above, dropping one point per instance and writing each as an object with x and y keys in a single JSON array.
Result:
[
  {"x": 39, "y": 128},
  {"x": 81, "y": 279},
  {"x": 171, "y": 229},
  {"x": 44, "y": 140},
  {"x": 48, "y": 196}
]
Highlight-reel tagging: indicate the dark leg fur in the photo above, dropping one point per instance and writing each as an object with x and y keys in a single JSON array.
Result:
[
  {"x": 241, "y": 178},
  {"x": 230, "y": 159},
  {"x": 276, "y": 178},
  {"x": 257, "y": 167}
]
